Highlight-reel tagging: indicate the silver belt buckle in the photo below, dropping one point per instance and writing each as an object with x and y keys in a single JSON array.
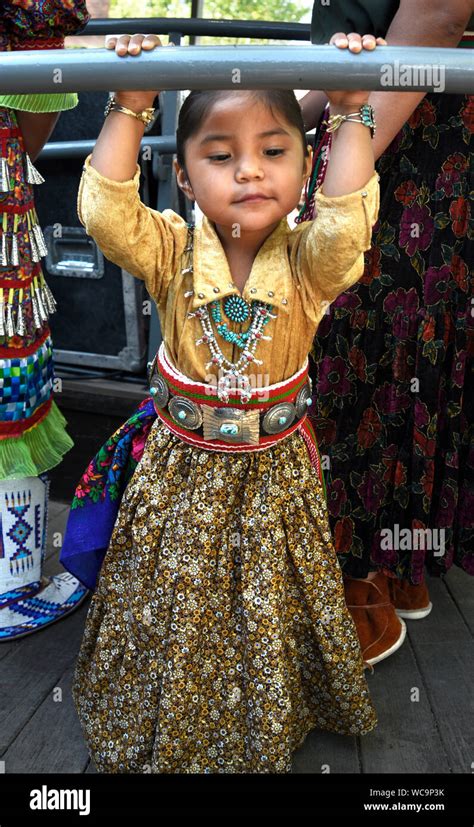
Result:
[{"x": 231, "y": 425}]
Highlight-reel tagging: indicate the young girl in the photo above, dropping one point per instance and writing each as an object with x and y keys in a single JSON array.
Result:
[{"x": 218, "y": 634}]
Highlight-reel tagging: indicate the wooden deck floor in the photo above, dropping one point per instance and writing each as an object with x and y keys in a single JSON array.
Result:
[{"x": 434, "y": 734}]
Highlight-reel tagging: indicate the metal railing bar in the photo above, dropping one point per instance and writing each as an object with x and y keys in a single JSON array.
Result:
[
  {"x": 202, "y": 26},
  {"x": 236, "y": 67},
  {"x": 80, "y": 149}
]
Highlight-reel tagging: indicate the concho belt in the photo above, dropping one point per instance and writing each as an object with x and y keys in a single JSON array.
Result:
[{"x": 233, "y": 425}]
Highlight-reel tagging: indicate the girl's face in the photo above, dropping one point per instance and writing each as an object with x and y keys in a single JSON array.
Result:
[{"x": 242, "y": 150}]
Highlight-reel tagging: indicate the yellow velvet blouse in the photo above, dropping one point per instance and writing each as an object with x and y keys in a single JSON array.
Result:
[{"x": 298, "y": 271}]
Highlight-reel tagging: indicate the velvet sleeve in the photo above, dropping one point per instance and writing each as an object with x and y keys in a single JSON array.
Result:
[
  {"x": 328, "y": 253},
  {"x": 144, "y": 242}
]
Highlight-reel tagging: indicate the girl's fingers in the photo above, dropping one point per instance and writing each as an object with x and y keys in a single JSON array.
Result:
[
  {"x": 151, "y": 41},
  {"x": 118, "y": 42},
  {"x": 111, "y": 40},
  {"x": 131, "y": 44},
  {"x": 355, "y": 42},
  {"x": 369, "y": 41},
  {"x": 339, "y": 39},
  {"x": 135, "y": 45}
]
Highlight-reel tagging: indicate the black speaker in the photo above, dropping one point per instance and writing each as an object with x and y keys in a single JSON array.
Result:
[{"x": 100, "y": 321}]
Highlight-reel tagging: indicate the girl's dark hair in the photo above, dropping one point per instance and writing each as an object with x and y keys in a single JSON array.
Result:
[{"x": 199, "y": 102}]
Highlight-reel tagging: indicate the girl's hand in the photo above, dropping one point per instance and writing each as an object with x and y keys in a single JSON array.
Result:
[
  {"x": 351, "y": 100},
  {"x": 125, "y": 45}
]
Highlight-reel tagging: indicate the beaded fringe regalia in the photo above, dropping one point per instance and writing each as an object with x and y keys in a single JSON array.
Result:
[
  {"x": 33, "y": 438},
  {"x": 37, "y": 292}
]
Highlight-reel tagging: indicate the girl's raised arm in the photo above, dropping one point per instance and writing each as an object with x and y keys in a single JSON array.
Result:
[
  {"x": 328, "y": 252},
  {"x": 116, "y": 150},
  {"x": 416, "y": 23},
  {"x": 351, "y": 161},
  {"x": 146, "y": 243}
]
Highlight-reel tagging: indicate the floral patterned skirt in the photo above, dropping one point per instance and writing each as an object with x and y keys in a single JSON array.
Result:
[
  {"x": 218, "y": 634},
  {"x": 393, "y": 363}
]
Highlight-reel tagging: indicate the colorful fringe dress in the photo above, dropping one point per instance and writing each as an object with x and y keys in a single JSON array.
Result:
[
  {"x": 218, "y": 634},
  {"x": 32, "y": 429},
  {"x": 33, "y": 437},
  {"x": 393, "y": 365}
]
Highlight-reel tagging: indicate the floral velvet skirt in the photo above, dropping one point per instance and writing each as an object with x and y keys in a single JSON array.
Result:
[
  {"x": 393, "y": 363},
  {"x": 218, "y": 635}
]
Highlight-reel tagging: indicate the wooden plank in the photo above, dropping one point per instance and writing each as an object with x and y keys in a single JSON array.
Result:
[
  {"x": 444, "y": 624},
  {"x": 34, "y": 668},
  {"x": 51, "y": 741},
  {"x": 406, "y": 739},
  {"x": 6, "y": 648},
  {"x": 322, "y": 750},
  {"x": 448, "y": 672},
  {"x": 444, "y": 650},
  {"x": 55, "y": 509},
  {"x": 460, "y": 585}
]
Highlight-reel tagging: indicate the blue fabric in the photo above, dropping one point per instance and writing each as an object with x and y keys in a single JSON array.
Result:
[{"x": 99, "y": 493}]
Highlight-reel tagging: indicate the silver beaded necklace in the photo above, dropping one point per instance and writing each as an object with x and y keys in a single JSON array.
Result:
[{"x": 233, "y": 377}]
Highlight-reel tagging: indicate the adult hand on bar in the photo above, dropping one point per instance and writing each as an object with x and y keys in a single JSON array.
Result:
[
  {"x": 124, "y": 45},
  {"x": 350, "y": 99}
]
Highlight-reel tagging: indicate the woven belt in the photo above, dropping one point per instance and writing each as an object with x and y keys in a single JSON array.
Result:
[{"x": 193, "y": 411}]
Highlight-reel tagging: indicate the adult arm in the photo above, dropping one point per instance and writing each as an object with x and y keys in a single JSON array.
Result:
[
  {"x": 33, "y": 24},
  {"x": 416, "y": 23},
  {"x": 312, "y": 106},
  {"x": 36, "y": 129}
]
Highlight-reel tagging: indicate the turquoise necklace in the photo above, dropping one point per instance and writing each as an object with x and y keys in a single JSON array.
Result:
[{"x": 237, "y": 310}]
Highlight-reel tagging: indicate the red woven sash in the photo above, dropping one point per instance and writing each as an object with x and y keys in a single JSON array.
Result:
[{"x": 262, "y": 399}]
